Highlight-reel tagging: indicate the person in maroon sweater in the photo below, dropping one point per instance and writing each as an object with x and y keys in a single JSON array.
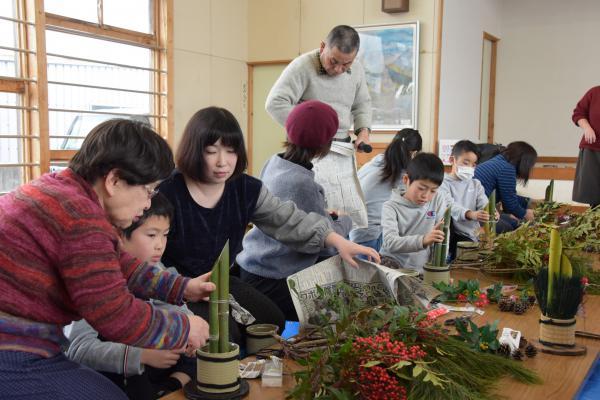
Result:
[
  {"x": 586, "y": 115},
  {"x": 61, "y": 261}
]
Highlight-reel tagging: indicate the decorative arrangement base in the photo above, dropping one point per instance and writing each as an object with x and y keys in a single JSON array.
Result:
[
  {"x": 467, "y": 251},
  {"x": 576, "y": 350},
  {"x": 192, "y": 392},
  {"x": 557, "y": 336},
  {"x": 433, "y": 274},
  {"x": 259, "y": 336}
]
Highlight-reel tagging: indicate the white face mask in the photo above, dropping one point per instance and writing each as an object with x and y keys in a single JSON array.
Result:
[{"x": 465, "y": 173}]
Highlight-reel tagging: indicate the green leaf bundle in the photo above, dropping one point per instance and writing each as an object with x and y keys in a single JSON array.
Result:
[
  {"x": 559, "y": 292},
  {"x": 449, "y": 370}
]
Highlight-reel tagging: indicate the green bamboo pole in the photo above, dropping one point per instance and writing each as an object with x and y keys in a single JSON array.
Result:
[
  {"x": 224, "y": 299},
  {"x": 213, "y": 315},
  {"x": 554, "y": 260},
  {"x": 490, "y": 226},
  {"x": 437, "y": 255},
  {"x": 444, "y": 244},
  {"x": 549, "y": 192}
]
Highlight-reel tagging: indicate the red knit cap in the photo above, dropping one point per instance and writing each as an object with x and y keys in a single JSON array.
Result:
[{"x": 311, "y": 124}]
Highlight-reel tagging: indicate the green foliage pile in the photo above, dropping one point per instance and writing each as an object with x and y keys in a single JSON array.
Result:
[
  {"x": 527, "y": 247},
  {"x": 452, "y": 369}
]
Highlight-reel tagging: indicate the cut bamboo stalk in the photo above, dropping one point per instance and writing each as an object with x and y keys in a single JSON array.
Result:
[
  {"x": 549, "y": 192},
  {"x": 213, "y": 315},
  {"x": 490, "y": 226},
  {"x": 224, "y": 299},
  {"x": 446, "y": 229}
]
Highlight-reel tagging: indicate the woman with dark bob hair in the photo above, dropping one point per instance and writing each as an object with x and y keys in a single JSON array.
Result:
[
  {"x": 215, "y": 200},
  {"x": 61, "y": 261},
  {"x": 501, "y": 173}
]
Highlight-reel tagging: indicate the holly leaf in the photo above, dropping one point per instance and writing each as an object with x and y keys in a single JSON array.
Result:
[
  {"x": 417, "y": 370},
  {"x": 431, "y": 377},
  {"x": 371, "y": 363},
  {"x": 401, "y": 364}
]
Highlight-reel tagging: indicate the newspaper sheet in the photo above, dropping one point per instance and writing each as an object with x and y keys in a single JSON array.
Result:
[
  {"x": 374, "y": 283},
  {"x": 336, "y": 172}
]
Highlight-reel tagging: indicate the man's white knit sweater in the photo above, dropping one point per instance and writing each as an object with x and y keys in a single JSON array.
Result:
[{"x": 303, "y": 79}]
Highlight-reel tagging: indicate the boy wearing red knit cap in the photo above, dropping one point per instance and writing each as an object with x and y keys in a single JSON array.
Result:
[{"x": 266, "y": 263}]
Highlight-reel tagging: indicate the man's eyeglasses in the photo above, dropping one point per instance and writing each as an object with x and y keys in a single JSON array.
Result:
[{"x": 151, "y": 192}]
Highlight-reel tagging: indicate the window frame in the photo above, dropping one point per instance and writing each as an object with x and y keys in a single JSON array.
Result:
[{"x": 32, "y": 80}]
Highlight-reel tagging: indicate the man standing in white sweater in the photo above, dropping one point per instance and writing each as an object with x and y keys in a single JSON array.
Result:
[{"x": 331, "y": 75}]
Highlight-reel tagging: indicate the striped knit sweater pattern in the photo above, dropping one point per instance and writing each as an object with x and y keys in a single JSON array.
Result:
[
  {"x": 60, "y": 261},
  {"x": 497, "y": 173}
]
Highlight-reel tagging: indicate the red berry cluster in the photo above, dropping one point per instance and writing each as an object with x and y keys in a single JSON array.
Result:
[
  {"x": 426, "y": 322},
  {"x": 483, "y": 301},
  {"x": 382, "y": 348},
  {"x": 376, "y": 383}
]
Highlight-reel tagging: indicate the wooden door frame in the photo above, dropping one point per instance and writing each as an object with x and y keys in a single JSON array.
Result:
[
  {"x": 492, "y": 89},
  {"x": 250, "y": 116},
  {"x": 437, "y": 74}
]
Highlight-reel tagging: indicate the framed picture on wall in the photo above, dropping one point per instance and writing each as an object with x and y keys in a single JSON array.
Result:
[{"x": 390, "y": 57}]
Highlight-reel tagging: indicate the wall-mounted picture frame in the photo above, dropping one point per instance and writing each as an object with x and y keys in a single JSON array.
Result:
[{"x": 390, "y": 57}]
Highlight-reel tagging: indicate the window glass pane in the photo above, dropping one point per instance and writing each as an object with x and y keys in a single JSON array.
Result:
[
  {"x": 8, "y": 33},
  {"x": 73, "y": 97},
  {"x": 11, "y": 149},
  {"x": 10, "y": 177},
  {"x": 8, "y": 63},
  {"x": 131, "y": 14},
  {"x": 72, "y": 126},
  {"x": 96, "y": 49},
  {"x": 8, "y": 99},
  {"x": 86, "y": 10},
  {"x": 57, "y": 166},
  {"x": 7, "y": 8},
  {"x": 96, "y": 74}
]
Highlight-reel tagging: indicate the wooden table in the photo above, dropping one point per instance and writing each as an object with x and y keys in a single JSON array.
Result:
[{"x": 562, "y": 375}]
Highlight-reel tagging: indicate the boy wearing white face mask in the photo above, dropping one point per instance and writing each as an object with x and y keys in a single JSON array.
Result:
[{"x": 466, "y": 195}]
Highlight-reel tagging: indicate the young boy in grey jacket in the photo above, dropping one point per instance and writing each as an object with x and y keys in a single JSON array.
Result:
[
  {"x": 411, "y": 220},
  {"x": 466, "y": 194},
  {"x": 143, "y": 374}
]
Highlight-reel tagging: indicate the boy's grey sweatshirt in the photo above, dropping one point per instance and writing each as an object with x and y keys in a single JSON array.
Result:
[
  {"x": 404, "y": 226},
  {"x": 467, "y": 195}
]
